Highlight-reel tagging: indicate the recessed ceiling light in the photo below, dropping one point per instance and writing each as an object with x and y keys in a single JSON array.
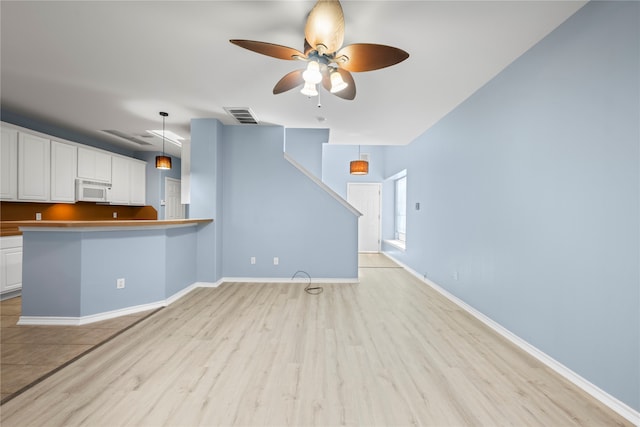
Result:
[{"x": 169, "y": 136}]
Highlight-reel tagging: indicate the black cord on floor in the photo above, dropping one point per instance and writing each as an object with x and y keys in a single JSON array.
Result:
[{"x": 312, "y": 291}]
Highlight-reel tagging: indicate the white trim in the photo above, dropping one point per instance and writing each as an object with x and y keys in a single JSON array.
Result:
[
  {"x": 395, "y": 176},
  {"x": 287, "y": 280},
  {"x": 322, "y": 185},
  {"x": 209, "y": 284},
  {"x": 616, "y": 405},
  {"x": 175, "y": 297},
  {"x": 398, "y": 244},
  {"x": 83, "y": 320}
]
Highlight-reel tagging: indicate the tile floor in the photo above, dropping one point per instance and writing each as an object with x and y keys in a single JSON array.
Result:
[{"x": 30, "y": 353}]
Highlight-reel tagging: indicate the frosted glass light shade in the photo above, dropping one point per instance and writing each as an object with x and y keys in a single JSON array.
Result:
[
  {"x": 312, "y": 74},
  {"x": 309, "y": 89},
  {"x": 337, "y": 84}
]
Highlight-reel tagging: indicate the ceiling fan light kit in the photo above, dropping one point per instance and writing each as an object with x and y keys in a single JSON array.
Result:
[
  {"x": 328, "y": 62},
  {"x": 337, "y": 84}
]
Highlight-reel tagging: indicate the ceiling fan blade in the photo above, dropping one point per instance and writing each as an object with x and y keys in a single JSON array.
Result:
[
  {"x": 307, "y": 47},
  {"x": 269, "y": 49},
  {"x": 289, "y": 81},
  {"x": 368, "y": 57},
  {"x": 349, "y": 92},
  {"x": 325, "y": 25}
]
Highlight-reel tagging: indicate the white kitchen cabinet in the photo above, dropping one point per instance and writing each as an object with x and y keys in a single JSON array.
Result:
[
  {"x": 138, "y": 175},
  {"x": 120, "y": 181},
  {"x": 128, "y": 178},
  {"x": 63, "y": 171},
  {"x": 10, "y": 264},
  {"x": 9, "y": 164},
  {"x": 94, "y": 165},
  {"x": 33, "y": 167}
]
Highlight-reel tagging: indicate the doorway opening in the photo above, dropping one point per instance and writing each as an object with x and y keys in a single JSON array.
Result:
[{"x": 367, "y": 198}]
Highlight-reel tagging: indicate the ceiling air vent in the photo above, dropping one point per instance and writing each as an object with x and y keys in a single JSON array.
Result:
[
  {"x": 126, "y": 136},
  {"x": 243, "y": 115}
]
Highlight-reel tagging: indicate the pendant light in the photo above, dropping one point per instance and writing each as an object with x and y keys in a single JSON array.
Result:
[
  {"x": 163, "y": 162},
  {"x": 359, "y": 167}
]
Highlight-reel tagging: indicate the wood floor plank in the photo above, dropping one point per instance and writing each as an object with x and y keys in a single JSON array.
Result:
[{"x": 387, "y": 351}]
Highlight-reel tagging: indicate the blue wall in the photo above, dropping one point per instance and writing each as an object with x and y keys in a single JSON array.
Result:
[
  {"x": 155, "y": 178},
  {"x": 271, "y": 209},
  {"x": 335, "y": 165},
  {"x": 73, "y": 273},
  {"x": 305, "y": 146},
  {"x": 530, "y": 198},
  {"x": 206, "y": 195}
]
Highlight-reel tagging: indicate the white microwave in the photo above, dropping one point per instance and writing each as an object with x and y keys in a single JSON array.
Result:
[{"x": 92, "y": 191}]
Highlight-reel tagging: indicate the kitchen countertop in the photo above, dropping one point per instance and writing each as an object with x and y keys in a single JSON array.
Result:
[{"x": 141, "y": 223}]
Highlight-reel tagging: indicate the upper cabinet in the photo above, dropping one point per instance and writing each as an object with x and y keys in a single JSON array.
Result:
[
  {"x": 128, "y": 181},
  {"x": 9, "y": 164},
  {"x": 33, "y": 167},
  {"x": 36, "y": 168},
  {"x": 94, "y": 165},
  {"x": 120, "y": 182},
  {"x": 63, "y": 171},
  {"x": 138, "y": 174}
]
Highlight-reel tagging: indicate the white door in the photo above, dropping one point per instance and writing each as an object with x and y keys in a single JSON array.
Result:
[
  {"x": 365, "y": 197},
  {"x": 173, "y": 208}
]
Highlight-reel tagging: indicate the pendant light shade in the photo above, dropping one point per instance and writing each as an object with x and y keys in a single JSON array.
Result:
[
  {"x": 163, "y": 162},
  {"x": 359, "y": 167}
]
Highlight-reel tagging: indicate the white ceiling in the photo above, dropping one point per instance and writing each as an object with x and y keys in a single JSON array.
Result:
[{"x": 93, "y": 65}]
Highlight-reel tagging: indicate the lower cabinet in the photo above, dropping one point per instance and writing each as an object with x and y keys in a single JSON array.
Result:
[{"x": 10, "y": 264}]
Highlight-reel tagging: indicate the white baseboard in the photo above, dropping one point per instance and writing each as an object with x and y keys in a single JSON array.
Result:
[
  {"x": 616, "y": 405},
  {"x": 209, "y": 284},
  {"x": 287, "y": 280},
  {"x": 83, "y": 320}
]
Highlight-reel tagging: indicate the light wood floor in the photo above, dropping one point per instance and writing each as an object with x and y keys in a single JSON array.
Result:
[
  {"x": 27, "y": 353},
  {"x": 386, "y": 351}
]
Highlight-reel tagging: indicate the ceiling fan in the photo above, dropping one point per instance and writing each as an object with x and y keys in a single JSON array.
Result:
[{"x": 328, "y": 62}]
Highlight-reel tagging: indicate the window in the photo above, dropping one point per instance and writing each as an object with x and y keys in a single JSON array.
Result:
[{"x": 401, "y": 208}]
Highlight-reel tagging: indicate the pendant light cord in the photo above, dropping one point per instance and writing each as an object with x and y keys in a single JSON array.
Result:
[{"x": 163, "y": 117}]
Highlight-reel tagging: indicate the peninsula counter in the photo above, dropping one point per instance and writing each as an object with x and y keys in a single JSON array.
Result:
[{"x": 77, "y": 272}]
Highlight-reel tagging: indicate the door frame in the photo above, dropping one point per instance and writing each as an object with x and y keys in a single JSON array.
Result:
[
  {"x": 166, "y": 181},
  {"x": 378, "y": 185}
]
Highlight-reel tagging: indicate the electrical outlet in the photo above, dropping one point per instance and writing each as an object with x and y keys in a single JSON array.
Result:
[
  {"x": 276, "y": 260},
  {"x": 455, "y": 275},
  {"x": 38, "y": 216},
  {"x": 120, "y": 284},
  {"x": 253, "y": 260},
  {"x": 115, "y": 215}
]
